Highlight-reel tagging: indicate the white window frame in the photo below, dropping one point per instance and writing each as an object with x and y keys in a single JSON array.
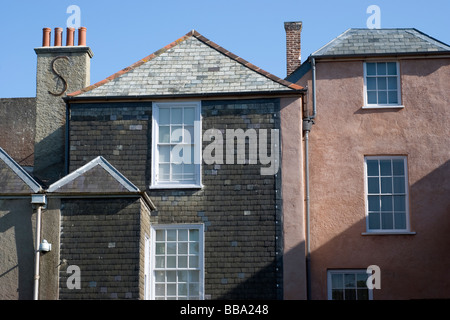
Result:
[
  {"x": 155, "y": 184},
  {"x": 201, "y": 268},
  {"x": 345, "y": 271},
  {"x": 147, "y": 267},
  {"x": 406, "y": 230},
  {"x": 399, "y": 95}
]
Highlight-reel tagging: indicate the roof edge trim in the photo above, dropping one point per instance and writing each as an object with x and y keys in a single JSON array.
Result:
[{"x": 97, "y": 161}]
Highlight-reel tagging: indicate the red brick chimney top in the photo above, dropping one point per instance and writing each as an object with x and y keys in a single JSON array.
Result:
[{"x": 293, "y": 45}]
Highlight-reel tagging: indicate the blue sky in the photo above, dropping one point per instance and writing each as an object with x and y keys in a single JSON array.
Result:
[{"x": 122, "y": 32}]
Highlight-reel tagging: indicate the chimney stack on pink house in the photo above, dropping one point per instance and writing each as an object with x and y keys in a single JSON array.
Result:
[
  {"x": 293, "y": 45},
  {"x": 70, "y": 37}
]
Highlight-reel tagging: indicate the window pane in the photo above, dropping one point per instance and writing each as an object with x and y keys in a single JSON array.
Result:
[
  {"x": 372, "y": 167},
  {"x": 193, "y": 248},
  {"x": 382, "y": 97},
  {"x": 176, "y": 135},
  {"x": 164, "y": 116},
  {"x": 393, "y": 97},
  {"x": 160, "y": 248},
  {"x": 362, "y": 294},
  {"x": 399, "y": 203},
  {"x": 382, "y": 85},
  {"x": 171, "y": 289},
  {"x": 349, "y": 280},
  {"x": 337, "y": 294},
  {"x": 381, "y": 68},
  {"x": 194, "y": 289},
  {"x": 337, "y": 280},
  {"x": 164, "y": 172},
  {"x": 171, "y": 248},
  {"x": 392, "y": 83},
  {"x": 177, "y": 172},
  {"x": 193, "y": 262},
  {"x": 171, "y": 235},
  {"x": 374, "y": 203},
  {"x": 373, "y": 185},
  {"x": 387, "y": 221},
  {"x": 182, "y": 261},
  {"x": 193, "y": 235},
  {"x": 194, "y": 276},
  {"x": 385, "y": 167},
  {"x": 189, "y": 116},
  {"x": 160, "y": 235},
  {"x": 386, "y": 185},
  {"x": 386, "y": 203},
  {"x": 399, "y": 185},
  {"x": 182, "y": 235},
  {"x": 371, "y": 83},
  {"x": 177, "y": 116},
  {"x": 400, "y": 220},
  {"x": 350, "y": 294},
  {"x": 372, "y": 97},
  {"x": 392, "y": 68},
  {"x": 183, "y": 276},
  {"x": 182, "y": 248},
  {"x": 164, "y": 134},
  {"x": 188, "y": 134},
  {"x": 160, "y": 289},
  {"x": 171, "y": 276},
  {"x": 361, "y": 279},
  {"x": 164, "y": 154},
  {"x": 182, "y": 289},
  {"x": 160, "y": 262},
  {"x": 374, "y": 220},
  {"x": 160, "y": 276},
  {"x": 171, "y": 262},
  {"x": 398, "y": 167},
  {"x": 371, "y": 69}
]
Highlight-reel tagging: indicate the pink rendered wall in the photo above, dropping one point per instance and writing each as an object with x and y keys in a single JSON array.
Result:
[
  {"x": 294, "y": 269},
  {"x": 412, "y": 266}
]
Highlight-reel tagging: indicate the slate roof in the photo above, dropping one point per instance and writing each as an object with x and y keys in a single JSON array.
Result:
[
  {"x": 188, "y": 66},
  {"x": 381, "y": 42},
  {"x": 98, "y": 177},
  {"x": 14, "y": 180}
]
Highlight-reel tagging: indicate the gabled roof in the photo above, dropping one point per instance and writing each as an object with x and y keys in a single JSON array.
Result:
[
  {"x": 354, "y": 42},
  {"x": 14, "y": 179},
  {"x": 96, "y": 177},
  {"x": 188, "y": 66}
]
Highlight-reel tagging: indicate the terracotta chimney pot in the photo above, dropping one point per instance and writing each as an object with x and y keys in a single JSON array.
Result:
[
  {"x": 82, "y": 36},
  {"x": 70, "y": 37},
  {"x": 58, "y": 37},
  {"x": 46, "y": 37}
]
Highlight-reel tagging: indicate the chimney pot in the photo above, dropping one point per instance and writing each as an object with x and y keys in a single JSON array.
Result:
[
  {"x": 46, "y": 37},
  {"x": 70, "y": 37},
  {"x": 58, "y": 37},
  {"x": 293, "y": 45},
  {"x": 82, "y": 36}
]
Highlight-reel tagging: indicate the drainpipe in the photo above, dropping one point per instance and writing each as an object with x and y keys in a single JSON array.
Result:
[
  {"x": 39, "y": 200},
  {"x": 307, "y": 125}
]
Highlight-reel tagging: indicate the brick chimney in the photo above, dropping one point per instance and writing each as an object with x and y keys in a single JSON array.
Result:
[
  {"x": 293, "y": 45},
  {"x": 60, "y": 70}
]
